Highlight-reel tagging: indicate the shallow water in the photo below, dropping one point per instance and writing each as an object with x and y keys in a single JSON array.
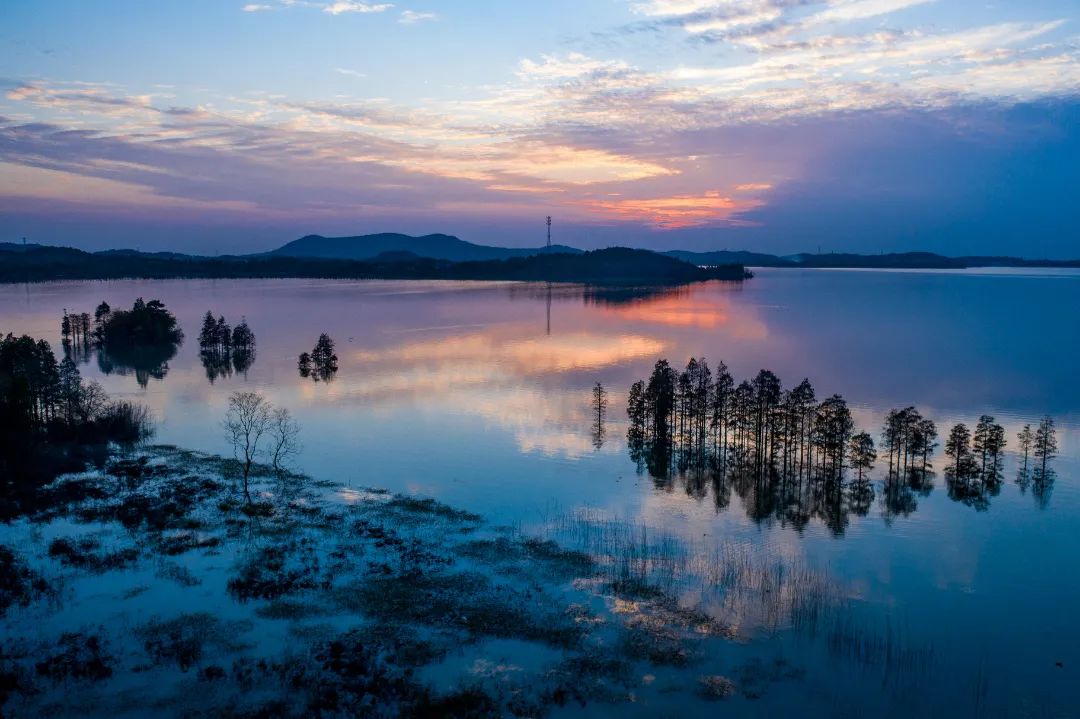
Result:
[{"x": 478, "y": 394}]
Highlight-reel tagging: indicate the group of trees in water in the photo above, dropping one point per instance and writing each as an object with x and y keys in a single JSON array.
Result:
[
  {"x": 140, "y": 340},
  {"x": 321, "y": 364},
  {"x": 223, "y": 350},
  {"x": 48, "y": 412},
  {"x": 791, "y": 455}
]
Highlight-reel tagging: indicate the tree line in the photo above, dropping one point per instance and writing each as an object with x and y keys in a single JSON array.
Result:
[{"x": 786, "y": 450}]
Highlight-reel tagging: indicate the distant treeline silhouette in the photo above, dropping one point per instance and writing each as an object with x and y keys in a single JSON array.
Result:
[
  {"x": 790, "y": 455},
  {"x": 223, "y": 350},
  {"x": 615, "y": 265},
  {"x": 140, "y": 340}
]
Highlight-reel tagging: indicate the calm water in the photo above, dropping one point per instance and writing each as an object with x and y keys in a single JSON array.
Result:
[{"x": 478, "y": 394}]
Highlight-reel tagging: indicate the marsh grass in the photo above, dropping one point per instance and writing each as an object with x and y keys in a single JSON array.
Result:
[{"x": 735, "y": 583}]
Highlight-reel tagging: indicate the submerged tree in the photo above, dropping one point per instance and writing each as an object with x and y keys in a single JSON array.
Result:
[
  {"x": 599, "y": 411},
  {"x": 958, "y": 448},
  {"x": 1045, "y": 446},
  {"x": 223, "y": 350},
  {"x": 988, "y": 442},
  {"x": 323, "y": 361},
  {"x": 1026, "y": 439},
  {"x": 861, "y": 453}
]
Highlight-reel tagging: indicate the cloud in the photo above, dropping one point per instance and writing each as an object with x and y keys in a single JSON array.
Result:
[
  {"x": 256, "y": 7},
  {"x": 354, "y": 6},
  {"x": 350, "y": 73},
  {"x": 411, "y": 17}
]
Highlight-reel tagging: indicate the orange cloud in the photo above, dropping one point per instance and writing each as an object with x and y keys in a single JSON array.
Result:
[
  {"x": 753, "y": 187},
  {"x": 676, "y": 211}
]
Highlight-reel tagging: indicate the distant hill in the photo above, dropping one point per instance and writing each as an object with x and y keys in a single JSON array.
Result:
[
  {"x": 436, "y": 247},
  {"x": 612, "y": 266},
  {"x": 729, "y": 257}
]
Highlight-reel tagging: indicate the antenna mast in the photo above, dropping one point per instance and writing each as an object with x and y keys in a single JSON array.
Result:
[{"x": 549, "y": 233}]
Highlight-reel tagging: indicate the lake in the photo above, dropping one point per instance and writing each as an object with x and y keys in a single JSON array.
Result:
[{"x": 479, "y": 395}]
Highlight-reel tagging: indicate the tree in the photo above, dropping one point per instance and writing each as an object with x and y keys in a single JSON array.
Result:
[
  {"x": 861, "y": 452},
  {"x": 1046, "y": 446},
  {"x": 958, "y": 447},
  {"x": 599, "y": 409},
  {"x": 1026, "y": 438},
  {"x": 101, "y": 316},
  {"x": 284, "y": 439},
  {"x": 223, "y": 334},
  {"x": 248, "y": 419},
  {"x": 323, "y": 359},
  {"x": 243, "y": 339},
  {"x": 304, "y": 364},
  {"x": 70, "y": 390},
  {"x": 208, "y": 336},
  {"x": 988, "y": 442}
]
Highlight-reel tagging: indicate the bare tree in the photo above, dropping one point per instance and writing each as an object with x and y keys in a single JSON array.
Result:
[
  {"x": 248, "y": 419},
  {"x": 284, "y": 439}
]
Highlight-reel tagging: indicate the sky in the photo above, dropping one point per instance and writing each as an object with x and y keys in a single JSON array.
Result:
[{"x": 784, "y": 126}]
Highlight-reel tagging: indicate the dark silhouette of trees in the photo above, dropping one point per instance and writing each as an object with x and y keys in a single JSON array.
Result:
[
  {"x": 958, "y": 449},
  {"x": 787, "y": 454},
  {"x": 783, "y": 452},
  {"x": 861, "y": 453},
  {"x": 140, "y": 340},
  {"x": 49, "y": 415},
  {"x": 967, "y": 479},
  {"x": 223, "y": 350},
  {"x": 599, "y": 413},
  {"x": 1026, "y": 439},
  {"x": 988, "y": 442},
  {"x": 1045, "y": 448},
  {"x": 321, "y": 364}
]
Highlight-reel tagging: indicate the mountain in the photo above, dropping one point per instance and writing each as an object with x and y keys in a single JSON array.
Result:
[{"x": 436, "y": 247}]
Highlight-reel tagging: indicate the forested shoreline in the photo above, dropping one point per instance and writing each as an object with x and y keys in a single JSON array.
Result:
[{"x": 610, "y": 266}]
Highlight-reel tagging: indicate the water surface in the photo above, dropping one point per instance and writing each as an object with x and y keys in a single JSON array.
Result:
[{"x": 478, "y": 394}]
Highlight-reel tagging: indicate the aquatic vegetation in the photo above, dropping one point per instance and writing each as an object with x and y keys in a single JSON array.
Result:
[
  {"x": 715, "y": 687},
  {"x": 78, "y": 657},
  {"x": 184, "y": 639},
  {"x": 375, "y": 593},
  {"x": 83, "y": 554},
  {"x": 19, "y": 584}
]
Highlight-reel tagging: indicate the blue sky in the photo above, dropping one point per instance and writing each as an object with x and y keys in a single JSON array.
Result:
[{"x": 771, "y": 125}]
